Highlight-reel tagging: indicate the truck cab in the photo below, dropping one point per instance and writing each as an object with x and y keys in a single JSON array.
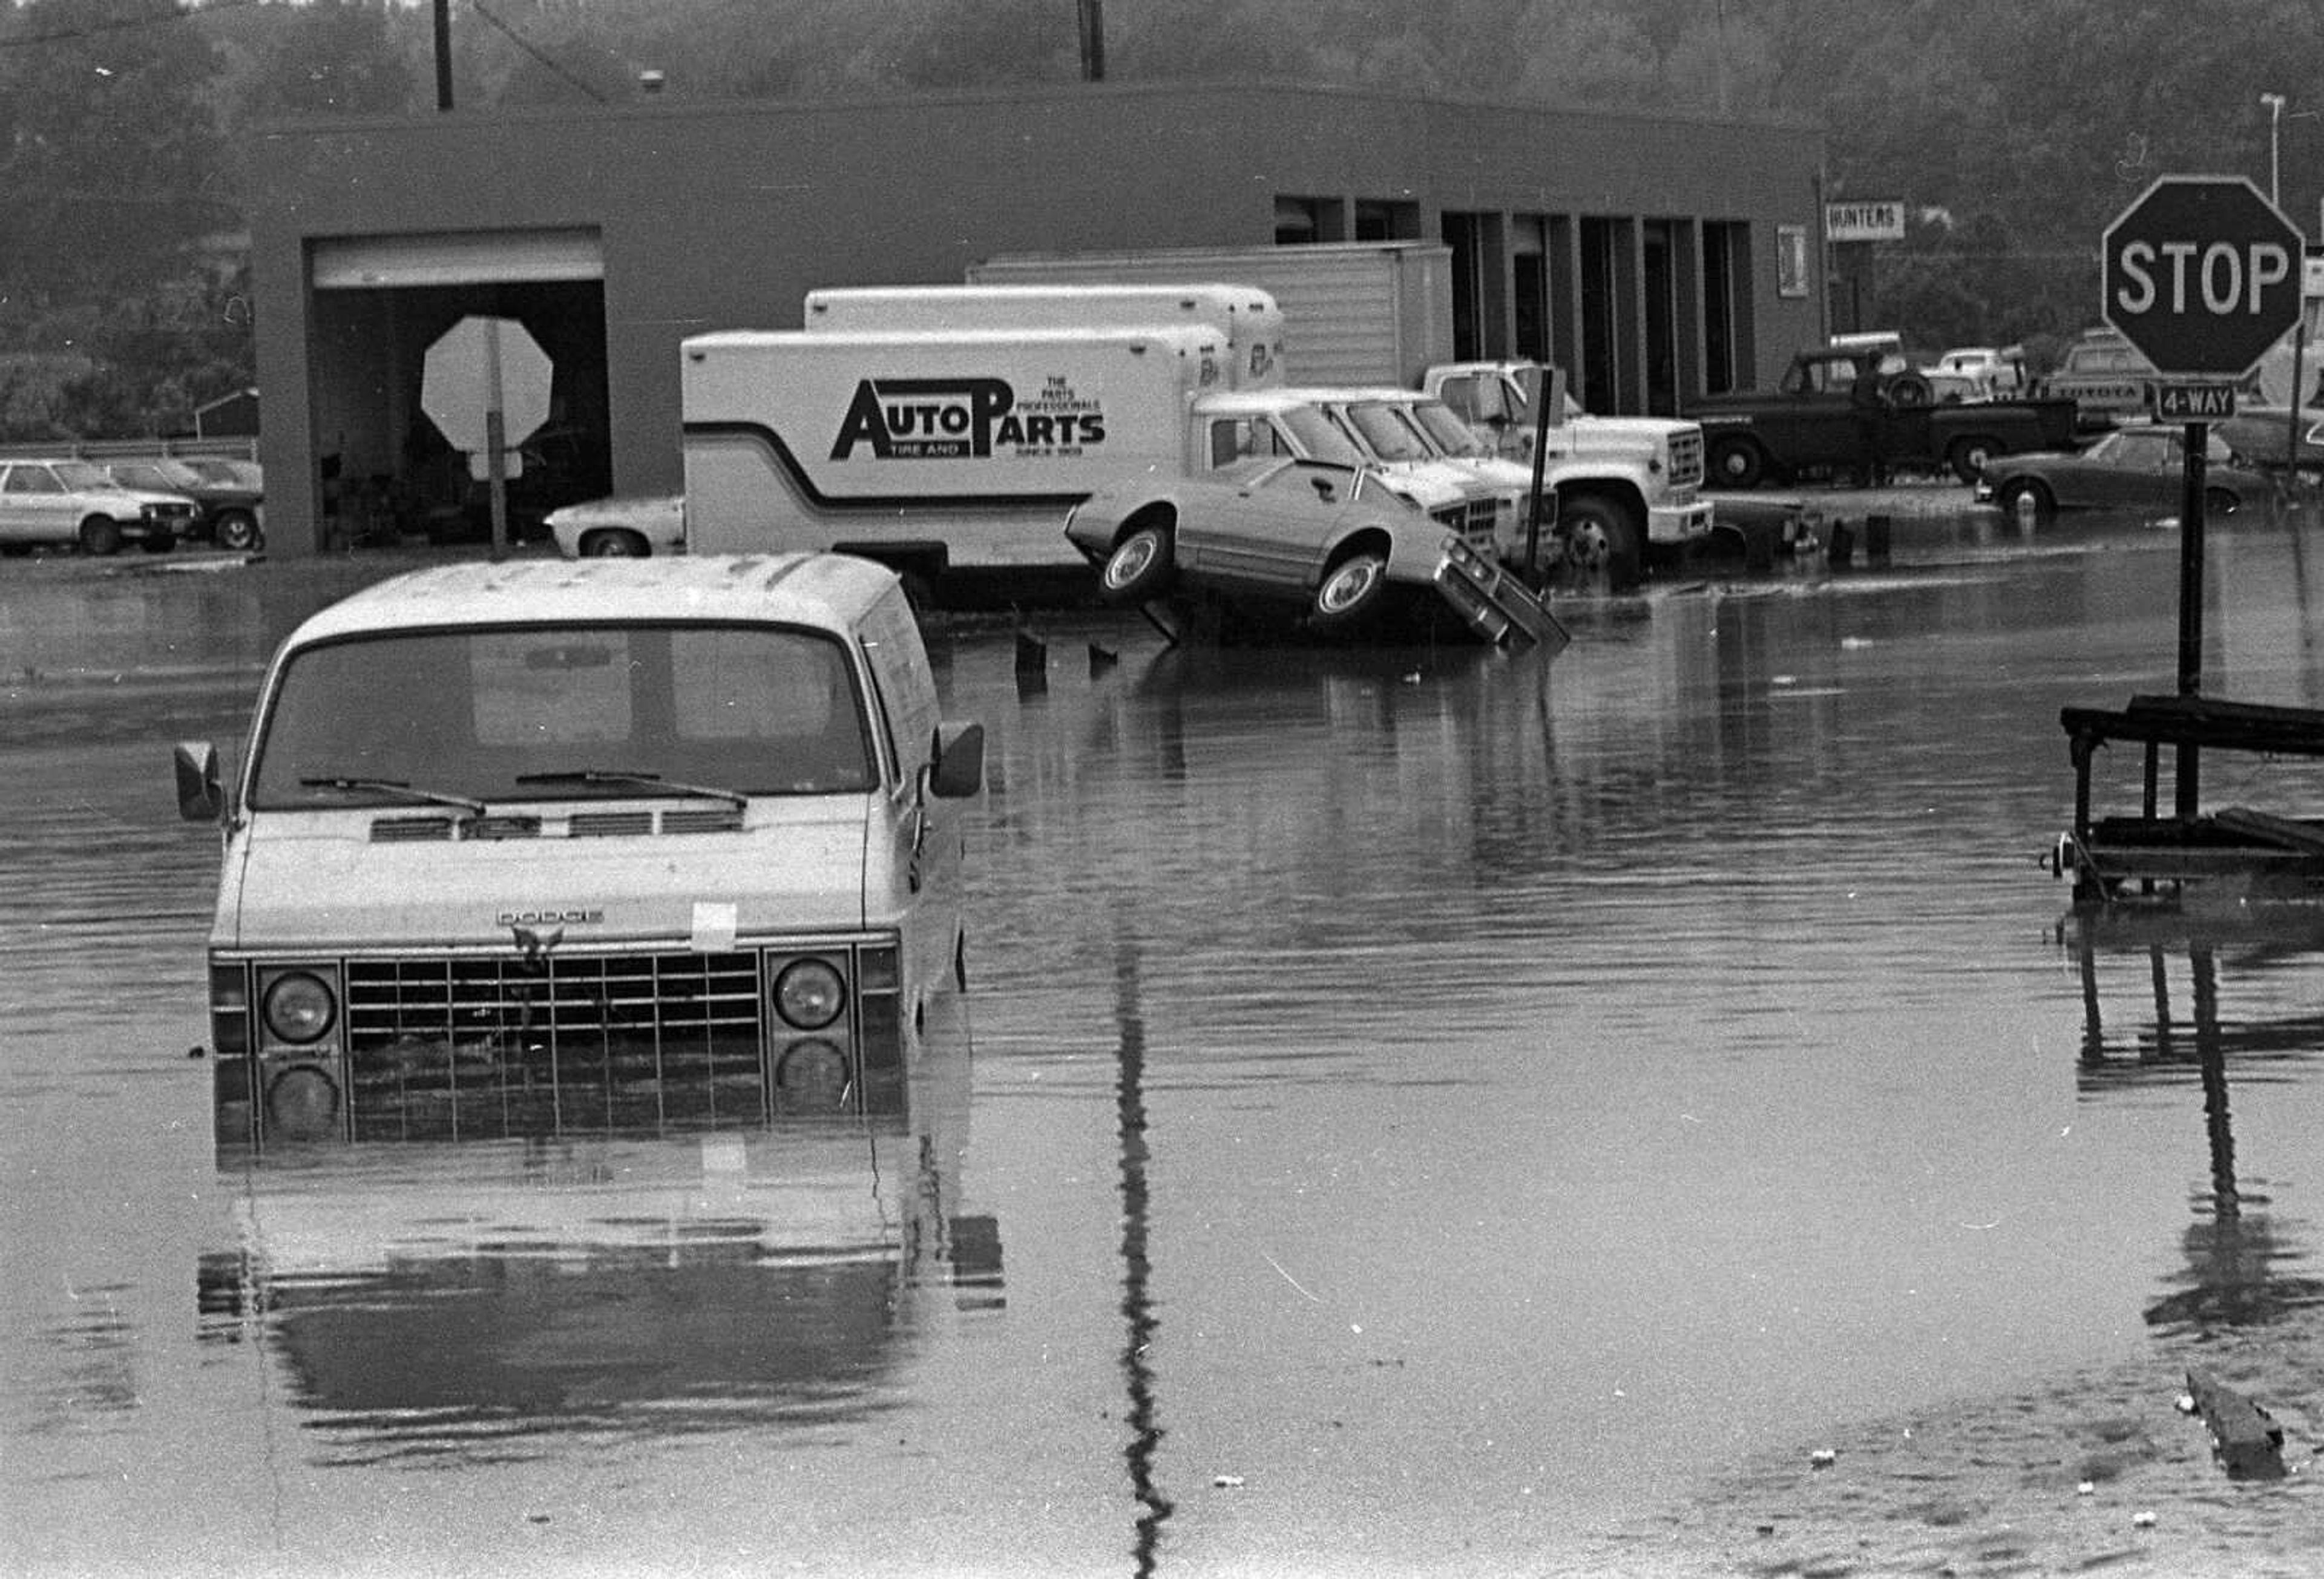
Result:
[
  {"x": 547, "y": 848},
  {"x": 1625, "y": 486}
]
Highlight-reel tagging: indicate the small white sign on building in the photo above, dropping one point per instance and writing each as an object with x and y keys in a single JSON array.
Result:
[{"x": 1863, "y": 221}]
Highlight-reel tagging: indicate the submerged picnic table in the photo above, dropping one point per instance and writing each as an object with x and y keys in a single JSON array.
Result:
[{"x": 2263, "y": 854}]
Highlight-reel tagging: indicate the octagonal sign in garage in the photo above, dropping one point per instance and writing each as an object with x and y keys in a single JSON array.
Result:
[
  {"x": 480, "y": 364},
  {"x": 2202, "y": 275}
]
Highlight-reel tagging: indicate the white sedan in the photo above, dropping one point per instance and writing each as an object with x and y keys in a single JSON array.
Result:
[{"x": 619, "y": 528}]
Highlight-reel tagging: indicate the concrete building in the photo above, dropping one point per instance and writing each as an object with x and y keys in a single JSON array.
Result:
[{"x": 1656, "y": 258}]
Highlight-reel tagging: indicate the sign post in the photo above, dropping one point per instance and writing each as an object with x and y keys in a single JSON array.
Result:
[
  {"x": 485, "y": 384},
  {"x": 2201, "y": 274}
]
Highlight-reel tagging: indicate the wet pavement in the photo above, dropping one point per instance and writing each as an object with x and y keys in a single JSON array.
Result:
[{"x": 1414, "y": 1112}]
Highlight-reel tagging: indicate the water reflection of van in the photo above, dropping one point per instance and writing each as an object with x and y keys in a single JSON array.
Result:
[
  {"x": 456, "y": 1301},
  {"x": 549, "y": 848}
]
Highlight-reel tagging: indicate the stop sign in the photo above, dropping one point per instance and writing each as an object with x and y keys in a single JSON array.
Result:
[
  {"x": 2202, "y": 275},
  {"x": 480, "y": 363}
]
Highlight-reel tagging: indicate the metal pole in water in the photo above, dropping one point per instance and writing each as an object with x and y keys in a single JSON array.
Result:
[{"x": 2190, "y": 602}]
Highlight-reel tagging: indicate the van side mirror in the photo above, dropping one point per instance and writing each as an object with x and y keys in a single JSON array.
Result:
[
  {"x": 200, "y": 797},
  {"x": 957, "y": 768}
]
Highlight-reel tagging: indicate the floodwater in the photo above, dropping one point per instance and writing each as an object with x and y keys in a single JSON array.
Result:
[{"x": 1412, "y": 1113}]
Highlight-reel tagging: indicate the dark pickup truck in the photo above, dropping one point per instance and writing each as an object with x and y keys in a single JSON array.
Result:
[{"x": 1812, "y": 421}]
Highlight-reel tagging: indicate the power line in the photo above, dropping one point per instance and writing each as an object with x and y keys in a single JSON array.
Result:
[{"x": 518, "y": 39}]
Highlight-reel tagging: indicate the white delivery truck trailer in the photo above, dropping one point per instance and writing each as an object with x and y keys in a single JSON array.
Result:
[
  {"x": 1354, "y": 312},
  {"x": 1247, "y": 318},
  {"x": 928, "y": 452}
]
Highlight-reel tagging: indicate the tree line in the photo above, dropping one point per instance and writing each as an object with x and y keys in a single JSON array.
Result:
[{"x": 2010, "y": 130}]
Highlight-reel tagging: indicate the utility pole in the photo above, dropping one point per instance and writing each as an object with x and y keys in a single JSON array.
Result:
[
  {"x": 443, "y": 55},
  {"x": 1092, "y": 33}
]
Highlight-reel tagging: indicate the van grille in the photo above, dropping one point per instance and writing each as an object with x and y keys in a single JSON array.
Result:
[
  {"x": 454, "y": 1049},
  {"x": 580, "y": 825},
  {"x": 1686, "y": 458}
]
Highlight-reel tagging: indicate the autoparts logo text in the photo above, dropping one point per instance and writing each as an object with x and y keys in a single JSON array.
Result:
[{"x": 967, "y": 418}]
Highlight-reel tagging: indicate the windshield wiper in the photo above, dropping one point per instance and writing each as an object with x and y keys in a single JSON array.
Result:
[
  {"x": 397, "y": 788},
  {"x": 654, "y": 781}
]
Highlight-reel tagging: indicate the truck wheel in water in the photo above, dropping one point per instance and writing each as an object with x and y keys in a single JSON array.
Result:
[
  {"x": 1140, "y": 566},
  {"x": 1970, "y": 454},
  {"x": 1603, "y": 538},
  {"x": 101, "y": 535},
  {"x": 1351, "y": 591},
  {"x": 1736, "y": 463}
]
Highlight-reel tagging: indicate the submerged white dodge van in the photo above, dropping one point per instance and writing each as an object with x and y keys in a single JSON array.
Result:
[{"x": 583, "y": 847}]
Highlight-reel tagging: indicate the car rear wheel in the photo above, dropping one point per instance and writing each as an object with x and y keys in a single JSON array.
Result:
[
  {"x": 237, "y": 530},
  {"x": 1351, "y": 592},
  {"x": 1140, "y": 567},
  {"x": 614, "y": 542},
  {"x": 2221, "y": 502},
  {"x": 2026, "y": 502},
  {"x": 101, "y": 535}
]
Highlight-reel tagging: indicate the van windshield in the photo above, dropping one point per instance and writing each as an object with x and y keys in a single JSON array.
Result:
[{"x": 566, "y": 712}]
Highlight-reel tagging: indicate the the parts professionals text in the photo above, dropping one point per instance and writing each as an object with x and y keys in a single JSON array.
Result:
[{"x": 962, "y": 419}]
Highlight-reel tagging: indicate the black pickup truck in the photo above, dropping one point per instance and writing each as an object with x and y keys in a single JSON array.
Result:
[{"x": 1812, "y": 424}]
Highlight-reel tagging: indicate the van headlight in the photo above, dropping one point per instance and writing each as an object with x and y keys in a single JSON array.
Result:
[
  {"x": 299, "y": 1008},
  {"x": 809, "y": 994}
]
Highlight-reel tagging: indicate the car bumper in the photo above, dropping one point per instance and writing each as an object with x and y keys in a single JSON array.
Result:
[
  {"x": 1679, "y": 523},
  {"x": 1496, "y": 605}
]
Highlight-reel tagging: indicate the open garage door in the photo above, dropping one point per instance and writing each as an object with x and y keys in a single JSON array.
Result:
[{"x": 379, "y": 301}]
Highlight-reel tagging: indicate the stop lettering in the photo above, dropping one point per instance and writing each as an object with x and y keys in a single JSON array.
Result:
[{"x": 2231, "y": 278}]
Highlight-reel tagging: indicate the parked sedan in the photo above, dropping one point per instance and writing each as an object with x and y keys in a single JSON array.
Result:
[
  {"x": 620, "y": 528},
  {"x": 72, "y": 503},
  {"x": 2141, "y": 467},
  {"x": 232, "y": 512},
  {"x": 1333, "y": 542}
]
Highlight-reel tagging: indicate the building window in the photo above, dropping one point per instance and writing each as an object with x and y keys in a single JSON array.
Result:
[
  {"x": 1386, "y": 220},
  {"x": 1301, "y": 220}
]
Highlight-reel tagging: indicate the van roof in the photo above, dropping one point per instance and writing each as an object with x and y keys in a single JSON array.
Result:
[{"x": 826, "y": 590}]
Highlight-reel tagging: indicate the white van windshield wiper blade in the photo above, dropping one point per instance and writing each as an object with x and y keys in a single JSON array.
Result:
[
  {"x": 396, "y": 788},
  {"x": 651, "y": 782}
]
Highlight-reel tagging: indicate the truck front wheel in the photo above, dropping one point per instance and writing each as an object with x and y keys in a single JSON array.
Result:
[
  {"x": 1140, "y": 567},
  {"x": 1738, "y": 463},
  {"x": 1602, "y": 538}
]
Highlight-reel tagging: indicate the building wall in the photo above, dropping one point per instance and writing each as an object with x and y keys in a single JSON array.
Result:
[{"x": 724, "y": 215}]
